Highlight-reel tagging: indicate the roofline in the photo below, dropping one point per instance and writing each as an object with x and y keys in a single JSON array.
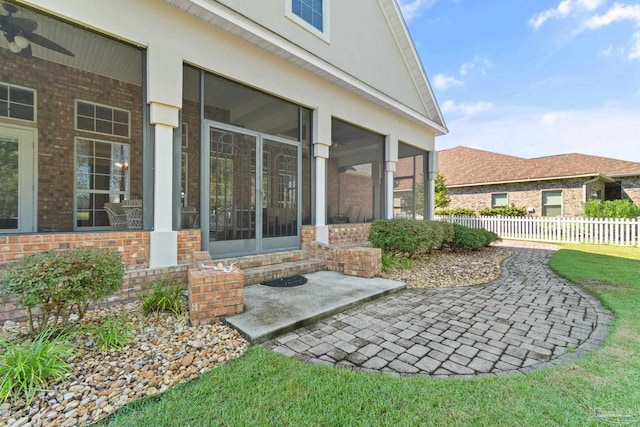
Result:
[
  {"x": 260, "y": 36},
  {"x": 553, "y": 178}
]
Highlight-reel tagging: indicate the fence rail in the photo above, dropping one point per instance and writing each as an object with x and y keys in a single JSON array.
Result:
[{"x": 609, "y": 231}]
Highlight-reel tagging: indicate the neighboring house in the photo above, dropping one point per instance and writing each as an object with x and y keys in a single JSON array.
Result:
[
  {"x": 547, "y": 186},
  {"x": 221, "y": 126}
]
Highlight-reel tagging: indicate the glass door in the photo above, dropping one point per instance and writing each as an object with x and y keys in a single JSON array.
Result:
[
  {"x": 17, "y": 192},
  {"x": 253, "y": 192},
  {"x": 280, "y": 183}
]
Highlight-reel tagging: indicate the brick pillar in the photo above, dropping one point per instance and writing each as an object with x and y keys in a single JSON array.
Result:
[
  {"x": 213, "y": 294},
  {"x": 363, "y": 262}
]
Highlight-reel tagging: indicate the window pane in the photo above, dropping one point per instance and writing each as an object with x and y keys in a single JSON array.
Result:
[
  {"x": 120, "y": 129},
  {"x": 4, "y": 92},
  {"x": 552, "y": 210},
  {"x": 24, "y": 112},
  {"x": 498, "y": 200},
  {"x": 120, "y": 116},
  {"x": 9, "y": 184},
  {"x": 4, "y": 109},
  {"x": 104, "y": 113},
  {"x": 22, "y": 96},
  {"x": 552, "y": 198},
  {"x": 85, "y": 109},
  {"x": 86, "y": 123},
  {"x": 103, "y": 126}
]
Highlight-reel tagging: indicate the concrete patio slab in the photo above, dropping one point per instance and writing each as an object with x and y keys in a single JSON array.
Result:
[{"x": 271, "y": 311}]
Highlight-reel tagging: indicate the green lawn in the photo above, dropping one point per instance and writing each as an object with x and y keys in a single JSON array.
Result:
[{"x": 263, "y": 388}]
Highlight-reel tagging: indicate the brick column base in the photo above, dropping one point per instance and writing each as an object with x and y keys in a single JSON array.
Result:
[
  {"x": 213, "y": 294},
  {"x": 363, "y": 262}
]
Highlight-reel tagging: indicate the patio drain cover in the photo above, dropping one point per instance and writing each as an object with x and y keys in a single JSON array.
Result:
[{"x": 286, "y": 282}]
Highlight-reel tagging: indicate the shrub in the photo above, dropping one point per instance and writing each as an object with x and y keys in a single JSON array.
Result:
[
  {"x": 26, "y": 368},
  {"x": 505, "y": 211},
  {"x": 472, "y": 238},
  {"x": 59, "y": 283},
  {"x": 456, "y": 211},
  {"x": 164, "y": 298},
  {"x": 610, "y": 209},
  {"x": 409, "y": 238}
]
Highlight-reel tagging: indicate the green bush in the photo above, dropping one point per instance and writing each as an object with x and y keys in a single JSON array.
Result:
[
  {"x": 505, "y": 211},
  {"x": 472, "y": 238},
  {"x": 55, "y": 284},
  {"x": 26, "y": 368},
  {"x": 164, "y": 298},
  {"x": 610, "y": 209},
  {"x": 409, "y": 238},
  {"x": 456, "y": 211}
]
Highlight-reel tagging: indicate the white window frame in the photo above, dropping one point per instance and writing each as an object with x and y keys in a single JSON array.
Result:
[
  {"x": 34, "y": 106},
  {"x": 326, "y": 24},
  {"x": 95, "y": 104},
  {"x": 544, "y": 211},
  {"x": 493, "y": 206}
]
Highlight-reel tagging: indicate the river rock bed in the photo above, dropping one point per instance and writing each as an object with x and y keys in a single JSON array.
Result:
[{"x": 163, "y": 352}]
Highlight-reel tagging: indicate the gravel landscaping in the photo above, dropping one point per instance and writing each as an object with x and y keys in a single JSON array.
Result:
[{"x": 165, "y": 351}]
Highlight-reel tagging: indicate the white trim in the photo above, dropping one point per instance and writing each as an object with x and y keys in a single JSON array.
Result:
[
  {"x": 517, "y": 181},
  {"x": 325, "y": 34}
]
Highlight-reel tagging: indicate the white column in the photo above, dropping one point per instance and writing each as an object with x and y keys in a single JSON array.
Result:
[
  {"x": 391, "y": 157},
  {"x": 321, "y": 144},
  {"x": 164, "y": 94}
]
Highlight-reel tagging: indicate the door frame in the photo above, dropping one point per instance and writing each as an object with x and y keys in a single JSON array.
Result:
[
  {"x": 27, "y": 176},
  {"x": 278, "y": 243}
]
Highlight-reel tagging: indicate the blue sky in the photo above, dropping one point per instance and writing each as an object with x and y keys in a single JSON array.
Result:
[{"x": 533, "y": 78}]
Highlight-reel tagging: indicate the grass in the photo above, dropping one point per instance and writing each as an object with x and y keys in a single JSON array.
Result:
[{"x": 263, "y": 388}]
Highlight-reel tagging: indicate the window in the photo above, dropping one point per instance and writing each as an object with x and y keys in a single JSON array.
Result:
[
  {"x": 499, "y": 200},
  {"x": 184, "y": 179},
  {"x": 17, "y": 102},
  {"x": 310, "y": 14},
  {"x": 551, "y": 203},
  {"x": 102, "y": 176},
  {"x": 102, "y": 119}
]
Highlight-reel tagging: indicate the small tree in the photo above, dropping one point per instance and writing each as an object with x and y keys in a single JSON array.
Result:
[
  {"x": 442, "y": 199},
  {"x": 52, "y": 285}
]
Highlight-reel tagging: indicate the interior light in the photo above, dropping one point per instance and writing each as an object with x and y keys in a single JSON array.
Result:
[
  {"x": 13, "y": 47},
  {"x": 21, "y": 41}
]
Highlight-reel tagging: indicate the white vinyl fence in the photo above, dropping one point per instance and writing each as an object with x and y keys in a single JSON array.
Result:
[{"x": 610, "y": 231}]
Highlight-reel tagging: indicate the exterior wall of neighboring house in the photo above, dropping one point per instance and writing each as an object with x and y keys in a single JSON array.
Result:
[
  {"x": 527, "y": 195},
  {"x": 631, "y": 188}
]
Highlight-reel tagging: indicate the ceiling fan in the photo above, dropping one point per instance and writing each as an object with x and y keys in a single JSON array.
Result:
[{"x": 19, "y": 32}]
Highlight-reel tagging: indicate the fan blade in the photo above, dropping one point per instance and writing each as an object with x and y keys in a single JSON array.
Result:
[
  {"x": 10, "y": 8},
  {"x": 39, "y": 40},
  {"x": 23, "y": 24}
]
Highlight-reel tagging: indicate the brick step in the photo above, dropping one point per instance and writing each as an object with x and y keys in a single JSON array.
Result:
[
  {"x": 254, "y": 275},
  {"x": 253, "y": 261}
]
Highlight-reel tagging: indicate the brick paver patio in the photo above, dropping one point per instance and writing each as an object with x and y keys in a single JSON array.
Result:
[{"x": 527, "y": 319}]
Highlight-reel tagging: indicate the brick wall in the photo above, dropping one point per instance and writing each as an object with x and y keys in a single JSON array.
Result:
[
  {"x": 57, "y": 89},
  {"x": 213, "y": 294},
  {"x": 522, "y": 195},
  {"x": 340, "y": 234}
]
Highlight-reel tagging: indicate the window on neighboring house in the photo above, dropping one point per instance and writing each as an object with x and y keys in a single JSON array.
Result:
[
  {"x": 17, "y": 102},
  {"x": 102, "y": 119},
  {"x": 499, "y": 200},
  {"x": 102, "y": 176},
  {"x": 552, "y": 203}
]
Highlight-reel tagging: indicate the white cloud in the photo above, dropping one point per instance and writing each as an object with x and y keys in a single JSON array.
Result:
[
  {"x": 618, "y": 12},
  {"x": 466, "y": 110},
  {"x": 479, "y": 63},
  {"x": 565, "y": 8},
  {"x": 412, "y": 8},
  {"x": 444, "y": 82},
  {"x": 605, "y": 131}
]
